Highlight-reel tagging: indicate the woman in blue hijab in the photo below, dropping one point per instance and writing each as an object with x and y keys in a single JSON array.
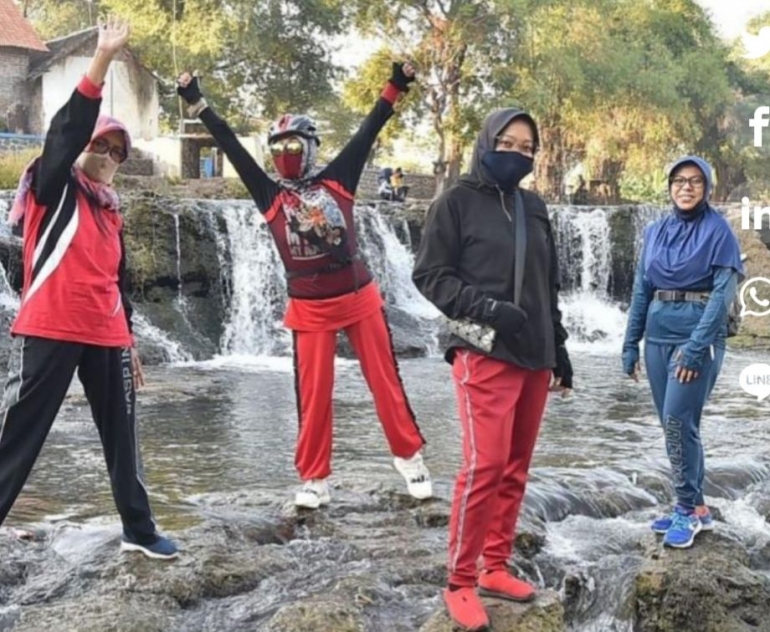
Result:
[{"x": 686, "y": 281}]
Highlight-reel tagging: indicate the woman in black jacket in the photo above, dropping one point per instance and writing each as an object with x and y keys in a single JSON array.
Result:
[{"x": 466, "y": 267}]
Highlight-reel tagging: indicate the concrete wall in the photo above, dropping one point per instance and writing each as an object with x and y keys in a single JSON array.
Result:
[
  {"x": 130, "y": 94},
  {"x": 14, "y": 66}
]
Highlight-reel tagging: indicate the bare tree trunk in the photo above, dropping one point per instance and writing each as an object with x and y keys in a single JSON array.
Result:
[
  {"x": 610, "y": 172},
  {"x": 549, "y": 174}
]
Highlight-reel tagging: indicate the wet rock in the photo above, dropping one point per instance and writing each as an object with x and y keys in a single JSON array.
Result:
[
  {"x": 216, "y": 563},
  {"x": 433, "y": 514},
  {"x": 708, "y": 588},
  {"x": 545, "y": 614},
  {"x": 318, "y": 616},
  {"x": 102, "y": 613}
]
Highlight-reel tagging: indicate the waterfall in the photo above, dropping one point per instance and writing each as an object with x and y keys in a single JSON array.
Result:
[
  {"x": 171, "y": 350},
  {"x": 391, "y": 262},
  {"x": 178, "y": 240},
  {"x": 587, "y": 252},
  {"x": 257, "y": 284},
  {"x": 597, "y": 250}
]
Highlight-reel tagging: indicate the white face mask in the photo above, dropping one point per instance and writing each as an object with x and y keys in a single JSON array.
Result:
[{"x": 98, "y": 168}]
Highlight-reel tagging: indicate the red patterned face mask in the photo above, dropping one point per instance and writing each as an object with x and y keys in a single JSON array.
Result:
[{"x": 288, "y": 165}]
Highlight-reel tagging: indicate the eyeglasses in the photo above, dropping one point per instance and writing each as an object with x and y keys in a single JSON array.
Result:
[
  {"x": 696, "y": 182},
  {"x": 507, "y": 143},
  {"x": 292, "y": 146},
  {"x": 102, "y": 146}
]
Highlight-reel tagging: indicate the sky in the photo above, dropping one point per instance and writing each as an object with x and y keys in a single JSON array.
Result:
[{"x": 731, "y": 16}]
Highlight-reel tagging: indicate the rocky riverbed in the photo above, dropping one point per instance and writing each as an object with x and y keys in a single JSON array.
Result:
[{"x": 374, "y": 561}]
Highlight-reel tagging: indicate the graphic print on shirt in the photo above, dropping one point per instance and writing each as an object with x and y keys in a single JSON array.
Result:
[{"x": 315, "y": 225}]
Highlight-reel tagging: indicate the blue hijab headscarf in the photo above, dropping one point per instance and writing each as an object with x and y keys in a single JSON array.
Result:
[{"x": 681, "y": 250}]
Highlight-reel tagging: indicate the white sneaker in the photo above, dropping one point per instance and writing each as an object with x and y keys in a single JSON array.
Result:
[
  {"x": 313, "y": 494},
  {"x": 416, "y": 474}
]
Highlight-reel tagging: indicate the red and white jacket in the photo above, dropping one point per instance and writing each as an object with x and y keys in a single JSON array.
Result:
[{"x": 73, "y": 253}]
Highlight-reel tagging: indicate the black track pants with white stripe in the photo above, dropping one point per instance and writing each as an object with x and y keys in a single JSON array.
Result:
[{"x": 33, "y": 396}]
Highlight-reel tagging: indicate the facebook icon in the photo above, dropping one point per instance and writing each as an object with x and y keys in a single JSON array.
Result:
[{"x": 758, "y": 122}]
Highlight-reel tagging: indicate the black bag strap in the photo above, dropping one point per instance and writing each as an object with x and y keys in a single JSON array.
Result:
[{"x": 520, "y": 228}]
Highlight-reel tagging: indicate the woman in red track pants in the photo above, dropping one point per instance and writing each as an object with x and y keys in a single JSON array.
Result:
[
  {"x": 466, "y": 267},
  {"x": 310, "y": 213}
]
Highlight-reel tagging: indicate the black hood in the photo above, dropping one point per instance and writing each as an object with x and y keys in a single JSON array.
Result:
[{"x": 495, "y": 123}]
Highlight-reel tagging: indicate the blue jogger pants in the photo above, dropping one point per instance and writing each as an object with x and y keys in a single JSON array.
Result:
[{"x": 679, "y": 408}]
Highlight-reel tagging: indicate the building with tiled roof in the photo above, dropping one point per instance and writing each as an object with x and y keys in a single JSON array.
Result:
[
  {"x": 37, "y": 78},
  {"x": 19, "y": 44},
  {"x": 15, "y": 31}
]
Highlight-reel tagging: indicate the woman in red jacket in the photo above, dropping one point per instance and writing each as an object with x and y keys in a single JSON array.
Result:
[
  {"x": 310, "y": 213},
  {"x": 74, "y": 314}
]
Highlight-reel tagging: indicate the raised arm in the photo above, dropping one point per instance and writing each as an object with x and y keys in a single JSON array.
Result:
[
  {"x": 347, "y": 167},
  {"x": 261, "y": 187},
  {"x": 72, "y": 126}
]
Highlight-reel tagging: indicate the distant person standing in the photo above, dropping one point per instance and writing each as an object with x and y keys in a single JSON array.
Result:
[{"x": 397, "y": 185}]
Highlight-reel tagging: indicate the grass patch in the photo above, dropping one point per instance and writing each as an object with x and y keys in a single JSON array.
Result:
[{"x": 12, "y": 164}]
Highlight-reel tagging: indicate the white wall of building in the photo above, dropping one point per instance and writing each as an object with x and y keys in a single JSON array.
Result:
[
  {"x": 137, "y": 107},
  {"x": 166, "y": 152}
]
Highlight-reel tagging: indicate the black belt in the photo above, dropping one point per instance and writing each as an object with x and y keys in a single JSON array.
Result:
[{"x": 681, "y": 296}]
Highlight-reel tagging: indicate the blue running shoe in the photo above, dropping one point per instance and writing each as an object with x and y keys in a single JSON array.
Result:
[
  {"x": 684, "y": 527},
  {"x": 663, "y": 524},
  {"x": 161, "y": 549}
]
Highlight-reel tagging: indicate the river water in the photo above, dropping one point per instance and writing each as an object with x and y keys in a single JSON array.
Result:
[{"x": 599, "y": 472}]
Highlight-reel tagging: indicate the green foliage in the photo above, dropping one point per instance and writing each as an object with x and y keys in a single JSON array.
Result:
[
  {"x": 620, "y": 86},
  {"x": 256, "y": 59}
]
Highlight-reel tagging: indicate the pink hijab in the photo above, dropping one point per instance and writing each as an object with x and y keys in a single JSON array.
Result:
[{"x": 103, "y": 193}]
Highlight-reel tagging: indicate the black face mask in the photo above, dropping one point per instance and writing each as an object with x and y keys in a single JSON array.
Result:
[{"x": 507, "y": 168}]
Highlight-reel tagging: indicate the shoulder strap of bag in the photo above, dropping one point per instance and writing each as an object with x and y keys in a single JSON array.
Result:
[{"x": 520, "y": 224}]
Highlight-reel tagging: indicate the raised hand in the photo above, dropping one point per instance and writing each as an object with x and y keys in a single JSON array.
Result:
[
  {"x": 403, "y": 75},
  {"x": 113, "y": 35},
  {"x": 188, "y": 88}
]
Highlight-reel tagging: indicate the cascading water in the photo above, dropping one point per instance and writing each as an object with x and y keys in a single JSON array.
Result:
[
  {"x": 257, "y": 285},
  {"x": 391, "y": 263},
  {"x": 172, "y": 351},
  {"x": 585, "y": 240}
]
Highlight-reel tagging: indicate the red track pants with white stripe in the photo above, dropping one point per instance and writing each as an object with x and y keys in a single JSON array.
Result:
[
  {"x": 314, "y": 374},
  {"x": 500, "y": 407}
]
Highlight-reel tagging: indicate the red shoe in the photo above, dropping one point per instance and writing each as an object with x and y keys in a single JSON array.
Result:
[
  {"x": 465, "y": 609},
  {"x": 503, "y": 585}
]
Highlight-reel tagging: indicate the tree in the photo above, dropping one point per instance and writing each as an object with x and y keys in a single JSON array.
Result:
[
  {"x": 441, "y": 37},
  {"x": 257, "y": 58}
]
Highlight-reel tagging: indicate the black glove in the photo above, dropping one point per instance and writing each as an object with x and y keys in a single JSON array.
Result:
[
  {"x": 507, "y": 319},
  {"x": 399, "y": 79},
  {"x": 563, "y": 368},
  {"x": 192, "y": 93}
]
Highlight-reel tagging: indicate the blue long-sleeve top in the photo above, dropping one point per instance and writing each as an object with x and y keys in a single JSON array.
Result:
[{"x": 696, "y": 326}]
